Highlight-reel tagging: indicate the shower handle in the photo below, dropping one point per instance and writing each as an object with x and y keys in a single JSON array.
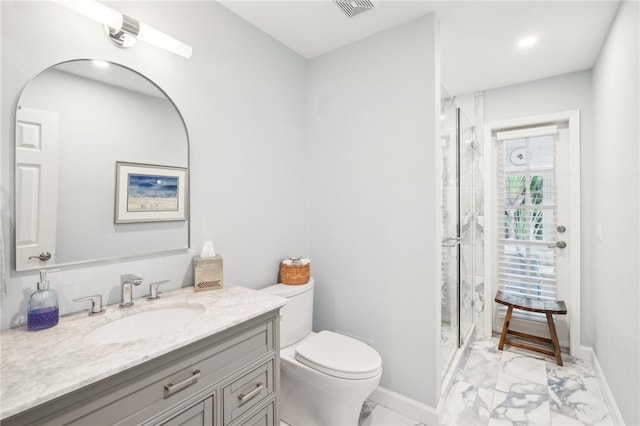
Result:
[{"x": 452, "y": 241}]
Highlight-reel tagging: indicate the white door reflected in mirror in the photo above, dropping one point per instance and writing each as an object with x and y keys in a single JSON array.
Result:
[{"x": 36, "y": 187}]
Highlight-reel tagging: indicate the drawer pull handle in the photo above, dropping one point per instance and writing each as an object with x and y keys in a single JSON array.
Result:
[
  {"x": 245, "y": 397},
  {"x": 171, "y": 388}
]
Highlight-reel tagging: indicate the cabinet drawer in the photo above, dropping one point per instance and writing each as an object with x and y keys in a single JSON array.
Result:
[
  {"x": 247, "y": 391},
  {"x": 200, "y": 414},
  {"x": 264, "y": 417}
]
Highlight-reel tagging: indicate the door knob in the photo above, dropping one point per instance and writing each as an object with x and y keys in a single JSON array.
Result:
[
  {"x": 44, "y": 256},
  {"x": 559, "y": 244}
]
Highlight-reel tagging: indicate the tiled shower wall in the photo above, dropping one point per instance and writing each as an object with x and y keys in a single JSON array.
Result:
[
  {"x": 477, "y": 183},
  {"x": 471, "y": 216},
  {"x": 467, "y": 222},
  {"x": 472, "y": 281}
]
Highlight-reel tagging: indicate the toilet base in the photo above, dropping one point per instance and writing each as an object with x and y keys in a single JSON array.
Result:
[{"x": 312, "y": 398}]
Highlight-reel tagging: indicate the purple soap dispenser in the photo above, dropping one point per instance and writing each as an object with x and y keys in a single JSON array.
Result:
[{"x": 43, "y": 309}]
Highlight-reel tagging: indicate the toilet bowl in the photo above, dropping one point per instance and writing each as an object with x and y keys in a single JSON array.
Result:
[
  {"x": 319, "y": 388},
  {"x": 325, "y": 376}
]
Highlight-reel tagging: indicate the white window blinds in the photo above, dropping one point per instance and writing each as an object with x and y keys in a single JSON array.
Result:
[{"x": 527, "y": 212}]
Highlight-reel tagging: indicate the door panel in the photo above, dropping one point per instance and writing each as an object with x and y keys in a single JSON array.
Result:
[
  {"x": 533, "y": 199},
  {"x": 36, "y": 186}
]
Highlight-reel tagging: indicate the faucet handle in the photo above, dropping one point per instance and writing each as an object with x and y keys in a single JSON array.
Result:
[
  {"x": 153, "y": 289},
  {"x": 96, "y": 304},
  {"x": 130, "y": 279}
]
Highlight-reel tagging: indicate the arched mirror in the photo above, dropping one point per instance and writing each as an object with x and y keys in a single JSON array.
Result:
[{"x": 101, "y": 167}]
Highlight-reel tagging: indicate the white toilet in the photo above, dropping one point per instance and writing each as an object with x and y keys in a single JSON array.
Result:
[{"x": 325, "y": 376}]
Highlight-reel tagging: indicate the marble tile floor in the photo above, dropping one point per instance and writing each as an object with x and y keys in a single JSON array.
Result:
[
  {"x": 373, "y": 414},
  {"x": 516, "y": 387},
  {"x": 511, "y": 387}
]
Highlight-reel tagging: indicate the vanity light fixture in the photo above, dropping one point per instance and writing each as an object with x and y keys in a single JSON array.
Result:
[{"x": 124, "y": 30}]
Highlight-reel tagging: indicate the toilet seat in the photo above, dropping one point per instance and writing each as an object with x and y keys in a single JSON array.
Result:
[{"x": 339, "y": 356}]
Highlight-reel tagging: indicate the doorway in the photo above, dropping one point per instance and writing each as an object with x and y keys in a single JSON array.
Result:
[{"x": 532, "y": 227}]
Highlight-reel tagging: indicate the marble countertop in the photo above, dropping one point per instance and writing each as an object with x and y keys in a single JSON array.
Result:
[{"x": 38, "y": 366}]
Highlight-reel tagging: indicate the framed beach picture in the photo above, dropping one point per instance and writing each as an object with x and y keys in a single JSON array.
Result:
[{"x": 150, "y": 193}]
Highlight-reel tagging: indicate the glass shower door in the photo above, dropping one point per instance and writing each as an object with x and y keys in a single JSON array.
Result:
[
  {"x": 457, "y": 229},
  {"x": 450, "y": 314}
]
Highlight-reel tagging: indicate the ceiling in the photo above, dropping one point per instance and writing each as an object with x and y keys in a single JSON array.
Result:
[{"x": 479, "y": 39}]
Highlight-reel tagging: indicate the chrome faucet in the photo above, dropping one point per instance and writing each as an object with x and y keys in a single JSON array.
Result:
[
  {"x": 153, "y": 290},
  {"x": 96, "y": 304},
  {"x": 128, "y": 281}
]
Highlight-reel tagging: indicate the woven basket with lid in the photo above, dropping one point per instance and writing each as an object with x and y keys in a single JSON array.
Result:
[{"x": 295, "y": 271}]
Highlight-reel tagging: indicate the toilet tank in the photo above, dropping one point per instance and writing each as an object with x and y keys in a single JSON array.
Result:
[{"x": 297, "y": 315}]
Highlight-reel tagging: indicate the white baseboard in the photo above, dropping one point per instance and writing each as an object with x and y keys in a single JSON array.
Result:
[
  {"x": 582, "y": 352},
  {"x": 406, "y": 406},
  {"x": 614, "y": 412}
]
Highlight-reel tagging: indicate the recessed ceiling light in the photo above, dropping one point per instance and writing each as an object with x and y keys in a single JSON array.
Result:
[{"x": 527, "y": 42}]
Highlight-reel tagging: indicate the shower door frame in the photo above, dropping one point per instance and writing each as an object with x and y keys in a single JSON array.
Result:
[{"x": 451, "y": 241}]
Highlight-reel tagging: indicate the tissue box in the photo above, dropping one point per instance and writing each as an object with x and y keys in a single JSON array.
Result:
[{"x": 208, "y": 273}]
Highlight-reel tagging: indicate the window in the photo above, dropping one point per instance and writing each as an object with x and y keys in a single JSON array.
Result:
[{"x": 526, "y": 207}]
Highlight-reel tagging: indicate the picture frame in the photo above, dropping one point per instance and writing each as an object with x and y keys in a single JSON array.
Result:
[{"x": 150, "y": 193}]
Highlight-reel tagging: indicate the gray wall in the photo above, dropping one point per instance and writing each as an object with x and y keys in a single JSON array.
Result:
[
  {"x": 243, "y": 98},
  {"x": 374, "y": 207},
  {"x": 610, "y": 276}
]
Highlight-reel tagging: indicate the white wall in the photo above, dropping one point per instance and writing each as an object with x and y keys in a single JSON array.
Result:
[
  {"x": 611, "y": 277},
  {"x": 554, "y": 94},
  {"x": 374, "y": 209},
  {"x": 243, "y": 98}
]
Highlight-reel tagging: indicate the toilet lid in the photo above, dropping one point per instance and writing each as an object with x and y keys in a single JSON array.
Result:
[{"x": 339, "y": 356}]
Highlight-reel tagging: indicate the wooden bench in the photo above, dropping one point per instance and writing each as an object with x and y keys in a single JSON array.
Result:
[{"x": 547, "y": 307}]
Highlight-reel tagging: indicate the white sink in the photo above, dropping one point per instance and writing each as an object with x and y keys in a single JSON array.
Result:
[{"x": 145, "y": 324}]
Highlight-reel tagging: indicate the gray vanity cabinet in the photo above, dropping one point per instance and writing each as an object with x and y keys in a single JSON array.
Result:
[
  {"x": 199, "y": 414},
  {"x": 228, "y": 379}
]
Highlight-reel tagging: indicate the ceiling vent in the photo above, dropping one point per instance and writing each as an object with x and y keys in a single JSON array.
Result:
[{"x": 352, "y": 8}]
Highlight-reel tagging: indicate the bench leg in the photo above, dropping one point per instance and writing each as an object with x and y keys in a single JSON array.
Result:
[
  {"x": 505, "y": 327},
  {"x": 554, "y": 339}
]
